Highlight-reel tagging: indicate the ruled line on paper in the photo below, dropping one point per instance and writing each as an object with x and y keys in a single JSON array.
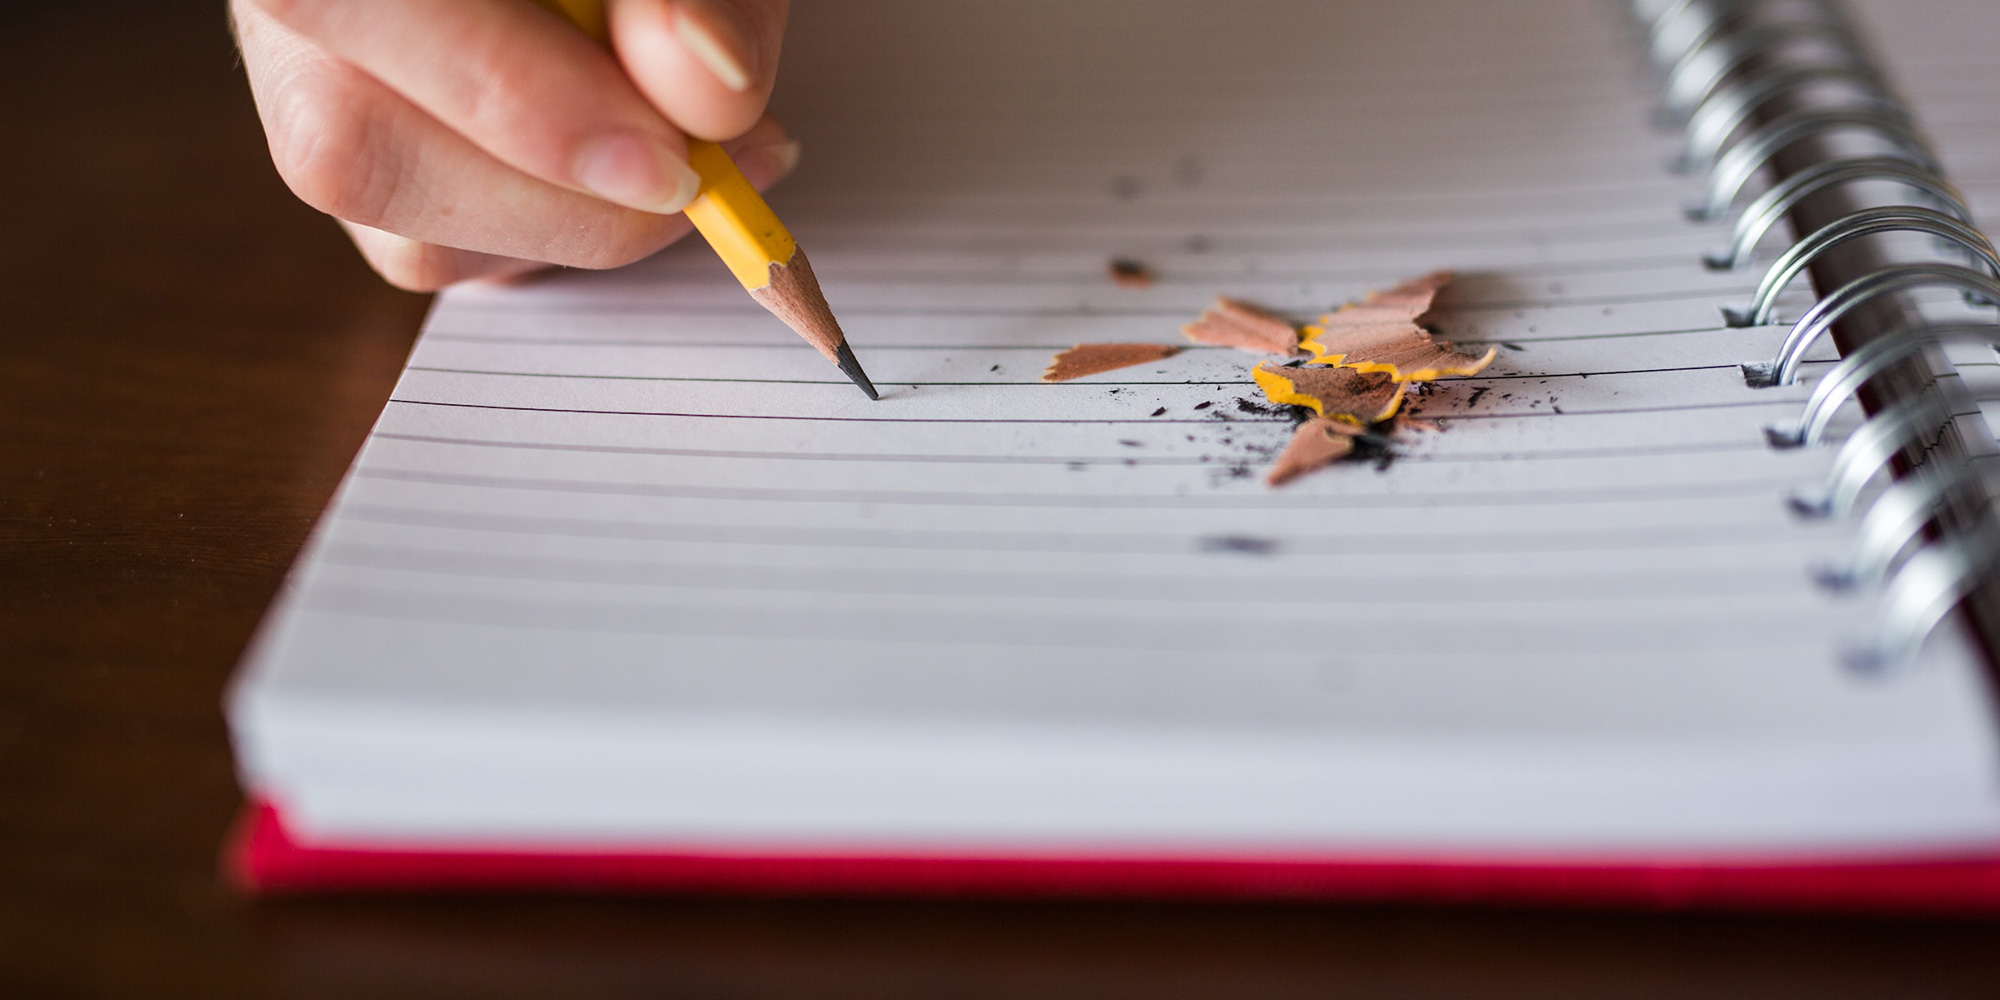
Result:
[
  {"x": 1721, "y": 295},
  {"x": 1192, "y": 269},
  {"x": 1037, "y": 383},
  {"x": 1731, "y": 535},
  {"x": 1455, "y": 243},
  {"x": 1723, "y": 630},
  {"x": 1265, "y": 501},
  {"x": 1083, "y": 421},
  {"x": 1521, "y": 455},
  {"x": 1184, "y": 273},
  {"x": 792, "y": 345},
  {"x": 1521, "y": 586},
  {"x": 1173, "y": 276},
  {"x": 1633, "y": 195}
]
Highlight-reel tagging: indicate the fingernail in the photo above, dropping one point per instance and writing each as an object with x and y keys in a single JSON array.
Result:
[
  {"x": 717, "y": 38},
  {"x": 768, "y": 163},
  {"x": 638, "y": 172}
]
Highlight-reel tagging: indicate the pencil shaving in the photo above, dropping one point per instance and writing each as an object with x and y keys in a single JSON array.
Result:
[
  {"x": 1361, "y": 398},
  {"x": 1317, "y": 443},
  {"x": 1380, "y": 334},
  {"x": 1092, "y": 359},
  {"x": 1230, "y": 323}
]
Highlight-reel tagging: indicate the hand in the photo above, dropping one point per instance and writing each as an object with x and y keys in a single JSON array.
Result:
[{"x": 459, "y": 139}]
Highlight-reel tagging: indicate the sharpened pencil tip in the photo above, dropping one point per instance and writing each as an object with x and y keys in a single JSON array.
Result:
[{"x": 844, "y": 357}]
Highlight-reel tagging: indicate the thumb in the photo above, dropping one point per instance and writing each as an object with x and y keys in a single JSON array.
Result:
[{"x": 707, "y": 65}]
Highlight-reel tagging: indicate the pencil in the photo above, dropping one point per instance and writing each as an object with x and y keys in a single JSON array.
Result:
[{"x": 747, "y": 235}]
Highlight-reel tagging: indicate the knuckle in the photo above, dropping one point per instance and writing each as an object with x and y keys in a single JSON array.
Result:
[
  {"x": 323, "y": 145},
  {"x": 497, "y": 91}
]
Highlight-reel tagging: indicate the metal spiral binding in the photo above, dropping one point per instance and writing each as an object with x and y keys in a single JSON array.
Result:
[
  {"x": 1714, "y": 122},
  {"x": 1784, "y": 368},
  {"x": 1867, "y": 222},
  {"x": 1724, "y": 62},
  {"x": 1898, "y": 517},
  {"x": 1771, "y": 207},
  {"x": 1844, "y": 381},
  {"x": 1746, "y": 158}
]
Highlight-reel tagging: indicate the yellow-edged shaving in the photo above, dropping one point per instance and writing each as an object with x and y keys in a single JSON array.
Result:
[
  {"x": 1309, "y": 341},
  {"x": 1282, "y": 390},
  {"x": 1458, "y": 364},
  {"x": 1441, "y": 361},
  {"x": 1381, "y": 334}
]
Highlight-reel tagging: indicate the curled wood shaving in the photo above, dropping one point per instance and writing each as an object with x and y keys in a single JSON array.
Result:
[
  {"x": 1230, "y": 323},
  {"x": 1317, "y": 442},
  {"x": 1380, "y": 334},
  {"x": 1090, "y": 359},
  {"x": 1361, "y": 398}
]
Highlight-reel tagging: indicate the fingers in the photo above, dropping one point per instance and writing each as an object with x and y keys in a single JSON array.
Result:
[
  {"x": 354, "y": 149},
  {"x": 434, "y": 168},
  {"x": 707, "y": 64},
  {"x": 764, "y": 155},
  {"x": 532, "y": 91}
]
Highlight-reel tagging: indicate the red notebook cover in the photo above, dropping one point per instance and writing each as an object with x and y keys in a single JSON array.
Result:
[{"x": 264, "y": 858}]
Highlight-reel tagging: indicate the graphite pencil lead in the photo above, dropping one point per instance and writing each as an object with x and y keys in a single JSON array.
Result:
[{"x": 844, "y": 357}]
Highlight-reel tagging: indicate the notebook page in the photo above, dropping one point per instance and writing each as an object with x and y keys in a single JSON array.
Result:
[
  {"x": 624, "y": 562},
  {"x": 1937, "y": 64}
]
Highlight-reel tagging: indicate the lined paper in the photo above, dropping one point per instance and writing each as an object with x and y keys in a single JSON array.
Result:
[{"x": 624, "y": 562}]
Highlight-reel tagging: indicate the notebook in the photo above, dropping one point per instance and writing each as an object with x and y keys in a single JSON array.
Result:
[{"x": 628, "y": 590}]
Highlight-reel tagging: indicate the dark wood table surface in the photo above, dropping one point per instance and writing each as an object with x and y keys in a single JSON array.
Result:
[{"x": 190, "y": 358}]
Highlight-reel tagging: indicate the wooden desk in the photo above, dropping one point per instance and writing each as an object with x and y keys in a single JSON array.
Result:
[{"x": 190, "y": 359}]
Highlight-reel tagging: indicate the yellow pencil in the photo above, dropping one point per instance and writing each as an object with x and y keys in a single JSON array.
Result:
[{"x": 759, "y": 250}]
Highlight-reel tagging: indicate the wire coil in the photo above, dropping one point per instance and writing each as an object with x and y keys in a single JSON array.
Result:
[{"x": 1725, "y": 65}]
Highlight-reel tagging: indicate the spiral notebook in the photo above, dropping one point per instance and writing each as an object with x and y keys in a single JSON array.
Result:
[{"x": 627, "y": 589}]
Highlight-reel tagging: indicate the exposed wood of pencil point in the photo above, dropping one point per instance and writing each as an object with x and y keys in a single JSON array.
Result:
[{"x": 792, "y": 294}]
